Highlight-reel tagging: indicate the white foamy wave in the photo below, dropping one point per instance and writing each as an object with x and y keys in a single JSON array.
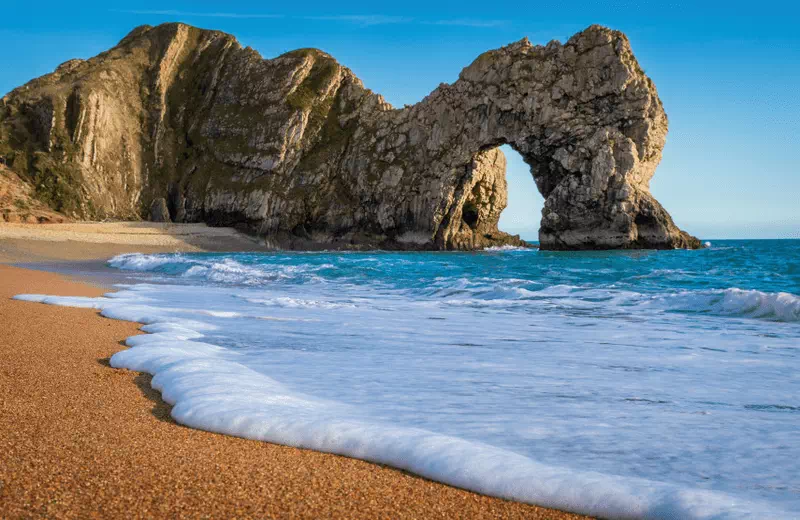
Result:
[
  {"x": 211, "y": 388},
  {"x": 506, "y": 248},
  {"x": 734, "y": 302},
  {"x": 65, "y": 301},
  {"x": 220, "y": 270},
  {"x": 143, "y": 262},
  {"x": 299, "y": 303},
  {"x": 229, "y": 271},
  {"x": 739, "y": 302}
]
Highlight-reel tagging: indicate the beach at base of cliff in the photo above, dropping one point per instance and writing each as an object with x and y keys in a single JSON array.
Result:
[{"x": 81, "y": 438}]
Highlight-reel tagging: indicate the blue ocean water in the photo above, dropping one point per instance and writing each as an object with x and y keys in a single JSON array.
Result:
[{"x": 625, "y": 384}]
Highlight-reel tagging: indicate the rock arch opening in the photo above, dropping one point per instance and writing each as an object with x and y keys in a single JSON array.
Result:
[{"x": 523, "y": 213}]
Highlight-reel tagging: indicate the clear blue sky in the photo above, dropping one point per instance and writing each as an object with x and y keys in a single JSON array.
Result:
[{"x": 727, "y": 72}]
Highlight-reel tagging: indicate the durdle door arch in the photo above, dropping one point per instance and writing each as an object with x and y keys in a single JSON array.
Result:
[
  {"x": 191, "y": 124},
  {"x": 582, "y": 115}
]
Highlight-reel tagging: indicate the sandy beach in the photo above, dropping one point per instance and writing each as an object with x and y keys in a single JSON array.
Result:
[
  {"x": 81, "y": 439},
  {"x": 93, "y": 240}
]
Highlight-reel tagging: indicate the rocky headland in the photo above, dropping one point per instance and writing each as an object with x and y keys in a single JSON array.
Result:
[{"x": 183, "y": 124}]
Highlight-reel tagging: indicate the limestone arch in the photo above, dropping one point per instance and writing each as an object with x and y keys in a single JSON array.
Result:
[{"x": 582, "y": 115}]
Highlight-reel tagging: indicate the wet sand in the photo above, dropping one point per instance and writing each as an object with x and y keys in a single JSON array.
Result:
[
  {"x": 80, "y": 439},
  {"x": 102, "y": 240}
]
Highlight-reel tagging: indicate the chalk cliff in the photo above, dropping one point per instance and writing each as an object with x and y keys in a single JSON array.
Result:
[{"x": 296, "y": 149}]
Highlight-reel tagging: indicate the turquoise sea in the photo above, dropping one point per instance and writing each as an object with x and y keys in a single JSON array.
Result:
[{"x": 624, "y": 384}]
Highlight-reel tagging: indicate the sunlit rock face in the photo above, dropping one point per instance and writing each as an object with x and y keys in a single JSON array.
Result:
[{"x": 297, "y": 150}]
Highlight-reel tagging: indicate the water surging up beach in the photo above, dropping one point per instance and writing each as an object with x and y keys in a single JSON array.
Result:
[{"x": 619, "y": 384}]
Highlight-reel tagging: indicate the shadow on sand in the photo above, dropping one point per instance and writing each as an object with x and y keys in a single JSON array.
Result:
[{"x": 160, "y": 410}]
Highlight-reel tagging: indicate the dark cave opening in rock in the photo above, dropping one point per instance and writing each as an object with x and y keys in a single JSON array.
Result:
[
  {"x": 643, "y": 220},
  {"x": 523, "y": 212},
  {"x": 469, "y": 213}
]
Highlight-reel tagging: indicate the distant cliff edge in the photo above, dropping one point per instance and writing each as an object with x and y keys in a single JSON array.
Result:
[{"x": 184, "y": 124}]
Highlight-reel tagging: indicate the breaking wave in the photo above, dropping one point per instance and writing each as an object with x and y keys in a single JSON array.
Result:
[
  {"x": 475, "y": 291},
  {"x": 216, "y": 269},
  {"x": 507, "y": 248},
  {"x": 780, "y": 306}
]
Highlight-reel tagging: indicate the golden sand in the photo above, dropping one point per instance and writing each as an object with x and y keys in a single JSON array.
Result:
[{"x": 79, "y": 439}]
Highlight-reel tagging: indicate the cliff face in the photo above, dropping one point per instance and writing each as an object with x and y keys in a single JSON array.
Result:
[
  {"x": 297, "y": 150},
  {"x": 17, "y": 203}
]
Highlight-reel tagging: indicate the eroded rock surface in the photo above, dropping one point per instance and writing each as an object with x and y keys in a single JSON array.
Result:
[
  {"x": 298, "y": 150},
  {"x": 17, "y": 205},
  {"x": 159, "y": 211}
]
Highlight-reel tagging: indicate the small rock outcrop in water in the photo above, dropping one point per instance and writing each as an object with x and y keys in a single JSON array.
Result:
[{"x": 298, "y": 150}]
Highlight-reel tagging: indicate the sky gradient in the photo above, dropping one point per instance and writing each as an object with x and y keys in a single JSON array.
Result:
[{"x": 727, "y": 73}]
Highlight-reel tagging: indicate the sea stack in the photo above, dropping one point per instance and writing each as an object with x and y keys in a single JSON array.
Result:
[{"x": 297, "y": 150}]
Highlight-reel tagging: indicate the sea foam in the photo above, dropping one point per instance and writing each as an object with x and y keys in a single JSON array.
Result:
[
  {"x": 507, "y": 248},
  {"x": 212, "y": 388},
  {"x": 628, "y": 384},
  {"x": 779, "y": 306},
  {"x": 215, "y": 268}
]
